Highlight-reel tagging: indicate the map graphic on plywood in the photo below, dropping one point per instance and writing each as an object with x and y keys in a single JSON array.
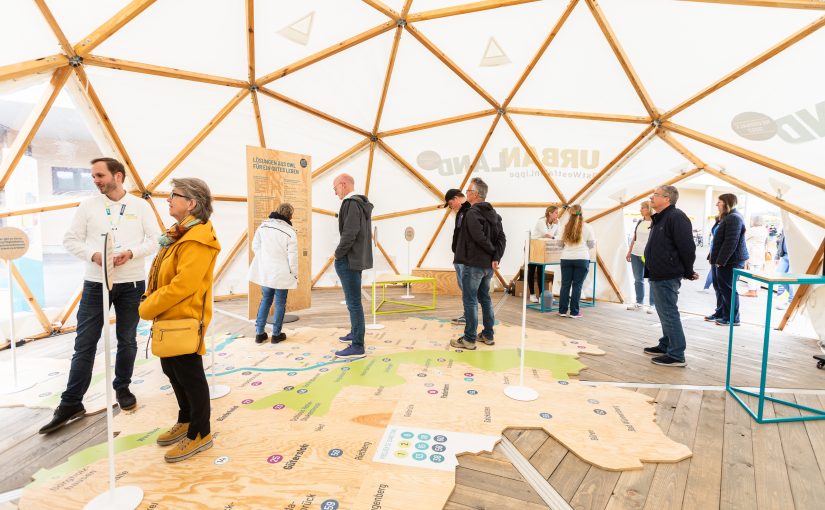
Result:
[{"x": 304, "y": 430}]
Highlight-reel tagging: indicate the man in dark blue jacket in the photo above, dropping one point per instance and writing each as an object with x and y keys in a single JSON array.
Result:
[
  {"x": 669, "y": 257},
  {"x": 455, "y": 200},
  {"x": 479, "y": 248}
]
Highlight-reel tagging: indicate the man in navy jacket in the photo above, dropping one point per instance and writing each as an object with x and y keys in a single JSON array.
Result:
[{"x": 669, "y": 257}]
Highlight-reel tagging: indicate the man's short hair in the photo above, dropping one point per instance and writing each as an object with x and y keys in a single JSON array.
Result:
[
  {"x": 671, "y": 192},
  {"x": 480, "y": 186},
  {"x": 114, "y": 166}
]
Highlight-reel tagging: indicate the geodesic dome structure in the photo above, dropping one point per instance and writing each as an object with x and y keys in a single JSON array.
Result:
[{"x": 554, "y": 101}]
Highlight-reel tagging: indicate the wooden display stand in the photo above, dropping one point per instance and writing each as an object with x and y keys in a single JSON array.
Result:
[
  {"x": 445, "y": 281},
  {"x": 274, "y": 177}
]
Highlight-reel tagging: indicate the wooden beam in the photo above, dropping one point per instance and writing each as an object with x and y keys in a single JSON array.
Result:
[
  {"x": 369, "y": 169},
  {"x": 785, "y": 4},
  {"x": 312, "y": 111},
  {"x": 226, "y": 110},
  {"x": 759, "y": 159},
  {"x": 760, "y": 59},
  {"x": 258, "y": 121},
  {"x": 216, "y": 198},
  {"x": 643, "y": 194},
  {"x": 387, "y": 78},
  {"x": 620, "y": 158},
  {"x": 250, "y": 38},
  {"x": 479, "y": 153},
  {"x": 680, "y": 148},
  {"x": 383, "y": 8},
  {"x": 327, "y": 52},
  {"x": 406, "y": 9},
  {"x": 325, "y": 212},
  {"x": 463, "y": 9},
  {"x": 622, "y": 57},
  {"x": 433, "y": 238},
  {"x": 166, "y": 72},
  {"x": 230, "y": 297},
  {"x": 517, "y": 205},
  {"x": 67, "y": 311},
  {"x": 535, "y": 158},
  {"x": 115, "y": 23},
  {"x": 407, "y": 212},
  {"x": 440, "y": 55},
  {"x": 387, "y": 257},
  {"x": 37, "y": 66},
  {"x": 322, "y": 271},
  {"x": 58, "y": 32},
  {"x": 500, "y": 278},
  {"x": 32, "y": 124},
  {"x": 157, "y": 215},
  {"x": 109, "y": 128},
  {"x": 29, "y": 209},
  {"x": 358, "y": 147},
  {"x": 436, "y": 123},
  {"x": 230, "y": 257},
  {"x": 803, "y": 290},
  {"x": 27, "y": 293},
  {"x": 610, "y": 280},
  {"x": 547, "y": 40},
  {"x": 423, "y": 180},
  {"x": 607, "y": 117}
]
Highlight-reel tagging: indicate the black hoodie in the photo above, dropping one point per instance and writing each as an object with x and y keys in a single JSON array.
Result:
[
  {"x": 355, "y": 227},
  {"x": 481, "y": 237}
]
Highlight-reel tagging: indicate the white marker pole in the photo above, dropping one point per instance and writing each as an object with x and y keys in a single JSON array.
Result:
[
  {"x": 409, "y": 273},
  {"x": 215, "y": 390},
  {"x": 374, "y": 324},
  {"x": 522, "y": 392}
]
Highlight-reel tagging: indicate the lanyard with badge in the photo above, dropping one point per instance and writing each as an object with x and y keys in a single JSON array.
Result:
[{"x": 114, "y": 225}]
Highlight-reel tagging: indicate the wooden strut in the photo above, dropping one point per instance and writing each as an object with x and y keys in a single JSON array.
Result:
[
  {"x": 67, "y": 311},
  {"x": 38, "y": 209},
  {"x": 406, "y": 9},
  {"x": 165, "y": 72},
  {"x": 58, "y": 32},
  {"x": 387, "y": 256},
  {"x": 784, "y": 4},
  {"x": 804, "y": 289},
  {"x": 258, "y": 121},
  {"x": 329, "y": 165},
  {"x": 436, "y": 123},
  {"x": 230, "y": 297},
  {"x": 387, "y": 78},
  {"x": 31, "y": 67},
  {"x": 369, "y": 169},
  {"x": 312, "y": 111},
  {"x": 609, "y": 277},
  {"x": 112, "y": 25},
  {"x": 563, "y": 114},
  {"x": 324, "y": 212},
  {"x": 230, "y": 257},
  {"x": 33, "y": 304},
  {"x": 250, "y": 39},
  {"x": 534, "y": 157},
  {"x": 423, "y": 180},
  {"x": 408, "y": 212},
  {"x": 322, "y": 271},
  {"x": 383, "y": 8},
  {"x": 463, "y": 9}
]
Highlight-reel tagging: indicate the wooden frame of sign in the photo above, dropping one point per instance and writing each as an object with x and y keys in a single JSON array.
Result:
[{"x": 274, "y": 177}]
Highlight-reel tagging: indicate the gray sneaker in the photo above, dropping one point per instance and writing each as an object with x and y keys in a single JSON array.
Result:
[
  {"x": 462, "y": 343},
  {"x": 487, "y": 340},
  {"x": 459, "y": 320}
]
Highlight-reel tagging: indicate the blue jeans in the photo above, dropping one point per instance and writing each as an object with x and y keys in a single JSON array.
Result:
[
  {"x": 126, "y": 298},
  {"x": 351, "y": 283},
  {"x": 459, "y": 271},
  {"x": 267, "y": 296},
  {"x": 638, "y": 266},
  {"x": 719, "y": 312},
  {"x": 573, "y": 273},
  {"x": 475, "y": 289},
  {"x": 783, "y": 267},
  {"x": 709, "y": 279},
  {"x": 725, "y": 283},
  {"x": 666, "y": 294}
]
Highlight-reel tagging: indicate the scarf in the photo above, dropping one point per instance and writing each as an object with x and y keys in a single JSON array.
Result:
[
  {"x": 166, "y": 240},
  {"x": 275, "y": 216}
]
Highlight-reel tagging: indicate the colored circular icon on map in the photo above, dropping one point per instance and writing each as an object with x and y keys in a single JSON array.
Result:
[
  {"x": 421, "y": 446},
  {"x": 401, "y": 454},
  {"x": 600, "y": 412},
  {"x": 441, "y": 360},
  {"x": 469, "y": 379},
  {"x": 404, "y": 444},
  {"x": 291, "y": 373},
  {"x": 428, "y": 385},
  {"x": 564, "y": 383},
  {"x": 424, "y": 436},
  {"x": 302, "y": 391},
  {"x": 306, "y": 354},
  {"x": 137, "y": 381},
  {"x": 299, "y": 358},
  {"x": 289, "y": 388},
  {"x": 229, "y": 368},
  {"x": 407, "y": 435},
  {"x": 468, "y": 374},
  {"x": 247, "y": 401},
  {"x": 165, "y": 387},
  {"x": 459, "y": 350},
  {"x": 422, "y": 374},
  {"x": 472, "y": 392},
  {"x": 409, "y": 348},
  {"x": 371, "y": 348},
  {"x": 574, "y": 341},
  {"x": 432, "y": 392},
  {"x": 419, "y": 456},
  {"x": 344, "y": 369},
  {"x": 220, "y": 461},
  {"x": 439, "y": 448},
  {"x": 246, "y": 372},
  {"x": 546, "y": 416},
  {"x": 295, "y": 347},
  {"x": 592, "y": 401},
  {"x": 325, "y": 369},
  {"x": 256, "y": 383},
  {"x": 440, "y": 439},
  {"x": 327, "y": 357},
  {"x": 437, "y": 458},
  {"x": 279, "y": 353},
  {"x": 330, "y": 504},
  {"x": 387, "y": 341},
  {"x": 274, "y": 459},
  {"x": 336, "y": 452},
  {"x": 386, "y": 360},
  {"x": 278, "y": 407},
  {"x": 221, "y": 354}
]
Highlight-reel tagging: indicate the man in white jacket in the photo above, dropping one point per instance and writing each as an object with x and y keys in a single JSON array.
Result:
[
  {"x": 134, "y": 228},
  {"x": 275, "y": 269}
]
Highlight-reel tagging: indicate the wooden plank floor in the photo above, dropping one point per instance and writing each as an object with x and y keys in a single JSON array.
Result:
[{"x": 736, "y": 463}]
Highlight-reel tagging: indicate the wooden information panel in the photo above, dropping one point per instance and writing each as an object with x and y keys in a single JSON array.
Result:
[{"x": 274, "y": 177}]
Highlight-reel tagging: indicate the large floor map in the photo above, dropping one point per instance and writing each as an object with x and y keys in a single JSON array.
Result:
[{"x": 302, "y": 430}]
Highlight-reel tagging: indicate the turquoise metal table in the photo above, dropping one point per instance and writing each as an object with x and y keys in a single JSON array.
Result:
[
  {"x": 759, "y": 415},
  {"x": 540, "y": 306}
]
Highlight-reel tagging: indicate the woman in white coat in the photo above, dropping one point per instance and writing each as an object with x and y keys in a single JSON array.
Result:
[{"x": 274, "y": 268}]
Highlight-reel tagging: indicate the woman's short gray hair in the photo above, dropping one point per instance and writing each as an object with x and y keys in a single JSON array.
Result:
[
  {"x": 197, "y": 190},
  {"x": 286, "y": 210}
]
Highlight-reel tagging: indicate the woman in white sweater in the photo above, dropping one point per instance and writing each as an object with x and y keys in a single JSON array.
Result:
[
  {"x": 547, "y": 227},
  {"x": 575, "y": 261},
  {"x": 756, "y": 239},
  {"x": 635, "y": 255},
  {"x": 274, "y": 268}
]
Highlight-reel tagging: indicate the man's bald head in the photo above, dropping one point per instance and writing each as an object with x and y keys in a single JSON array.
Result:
[{"x": 343, "y": 185}]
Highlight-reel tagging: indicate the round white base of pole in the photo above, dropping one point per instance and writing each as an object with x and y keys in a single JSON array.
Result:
[
  {"x": 218, "y": 391},
  {"x": 374, "y": 326},
  {"x": 121, "y": 498},
  {"x": 8, "y": 386},
  {"x": 407, "y": 297},
  {"x": 343, "y": 302},
  {"x": 522, "y": 393}
]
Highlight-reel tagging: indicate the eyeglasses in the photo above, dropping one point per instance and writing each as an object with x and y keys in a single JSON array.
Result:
[
  {"x": 471, "y": 190},
  {"x": 175, "y": 194},
  {"x": 659, "y": 195}
]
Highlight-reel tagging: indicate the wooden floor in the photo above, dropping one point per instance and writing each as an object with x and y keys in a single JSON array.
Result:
[{"x": 736, "y": 463}]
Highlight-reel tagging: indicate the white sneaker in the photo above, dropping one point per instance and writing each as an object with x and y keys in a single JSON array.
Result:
[
  {"x": 650, "y": 309},
  {"x": 533, "y": 298},
  {"x": 634, "y": 307}
]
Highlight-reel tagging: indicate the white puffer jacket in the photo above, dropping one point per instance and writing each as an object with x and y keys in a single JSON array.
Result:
[{"x": 275, "y": 264}]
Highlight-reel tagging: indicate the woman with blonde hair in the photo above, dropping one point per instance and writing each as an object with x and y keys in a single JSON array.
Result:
[
  {"x": 635, "y": 255},
  {"x": 547, "y": 227},
  {"x": 180, "y": 287},
  {"x": 575, "y": 261}
]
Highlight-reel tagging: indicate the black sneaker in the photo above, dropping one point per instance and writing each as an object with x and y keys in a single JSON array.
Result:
[
  {"x": 280, "y": 337},
  {"x": 62, "y": 415},
  {"x": 351, "y": 352},
  {"x": 725, "y": 322},
  {"x": 655, "y": 351},
  {"x": 459, "y": 321},
  {"x": 711, "y": 318},
  {"x": 667, "y": 361},
  {"x": 125, "y": 399},
  {"x": 261, "y": 338}
]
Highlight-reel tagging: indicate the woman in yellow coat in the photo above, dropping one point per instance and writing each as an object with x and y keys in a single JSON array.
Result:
[{"x": 180, "y": 287}]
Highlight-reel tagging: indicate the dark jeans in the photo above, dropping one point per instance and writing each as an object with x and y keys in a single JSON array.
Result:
[
  {"x": 783, "y": 266},
  {"x": 188, "y": 379},
  {"x": 475, "y": 289},
  {"x": 720, "y": 305},
  {"x": 125, "y": 297},
  {"x": 267, "y": 296},
  {"x": 351, "y": 283},
  {"x": 709, "y": 279},
  {"x": 533, "y": 276},
  {"x": 573, "y": 273},
  {"x": 459, "y": 271},
  {"x": 638, "y": 266},
  {"x": 723, "y": 281},
  {"x": 666, "y": 294}
]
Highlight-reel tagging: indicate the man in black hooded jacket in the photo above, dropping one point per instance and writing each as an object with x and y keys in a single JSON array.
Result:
[{"x": 479, "y": 248}]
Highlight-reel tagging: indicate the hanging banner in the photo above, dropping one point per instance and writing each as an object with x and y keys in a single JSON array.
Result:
[{"x": 274, "y": 177}]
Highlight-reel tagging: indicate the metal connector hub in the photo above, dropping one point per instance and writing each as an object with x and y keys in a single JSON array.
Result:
[{"x": 76, "y": 61}]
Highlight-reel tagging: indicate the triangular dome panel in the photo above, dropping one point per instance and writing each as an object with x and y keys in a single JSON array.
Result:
[
  {"x": 24, "y": 34},
  {"x": 323, "y": 195},
  {"x": 391, "y": 236},
  {"x": 79, "y": 18},
  {"x": 17, "y": 100},
  {"x": 393, "y": 188}
]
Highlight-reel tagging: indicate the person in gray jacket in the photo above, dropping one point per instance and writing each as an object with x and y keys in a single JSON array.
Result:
[{"x": 352, "y": 256}]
